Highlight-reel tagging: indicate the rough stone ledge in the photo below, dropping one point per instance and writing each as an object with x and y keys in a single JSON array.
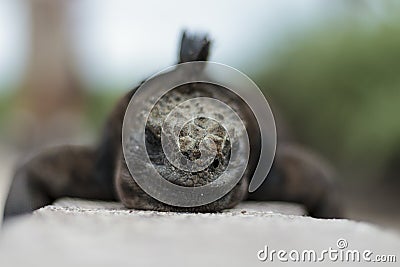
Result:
[{"x": 84, "y": 233}]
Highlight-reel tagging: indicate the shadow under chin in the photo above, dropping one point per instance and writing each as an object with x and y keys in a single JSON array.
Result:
[{"x": 132, "y": 196}]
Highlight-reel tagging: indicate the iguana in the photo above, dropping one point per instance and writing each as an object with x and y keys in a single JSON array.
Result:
[{"x": 101, "y": 173}]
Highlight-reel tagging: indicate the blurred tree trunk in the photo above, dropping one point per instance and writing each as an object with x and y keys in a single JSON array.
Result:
[{"x": 52, "y": 96}]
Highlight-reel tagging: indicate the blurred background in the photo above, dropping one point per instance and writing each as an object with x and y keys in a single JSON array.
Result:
[{"x": 329, "y": 68}]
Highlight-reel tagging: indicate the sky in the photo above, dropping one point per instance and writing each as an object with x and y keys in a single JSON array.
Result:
[{"x": 118, "y": 43}]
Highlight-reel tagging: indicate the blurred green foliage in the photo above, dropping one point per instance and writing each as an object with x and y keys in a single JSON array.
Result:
[
  {"x": 99, "y": 105},
  {"x": 339, "y": 88},
  {"x": 7, "y": 100}
]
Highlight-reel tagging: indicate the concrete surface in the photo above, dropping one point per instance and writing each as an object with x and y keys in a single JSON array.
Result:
[{"x": 83, "y": 233}]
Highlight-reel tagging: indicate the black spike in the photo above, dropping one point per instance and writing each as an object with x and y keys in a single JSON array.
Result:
[{"x": 194, "y": 47}]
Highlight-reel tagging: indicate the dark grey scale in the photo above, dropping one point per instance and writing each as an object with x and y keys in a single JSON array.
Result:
[{"x": 101, "y": 173}]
